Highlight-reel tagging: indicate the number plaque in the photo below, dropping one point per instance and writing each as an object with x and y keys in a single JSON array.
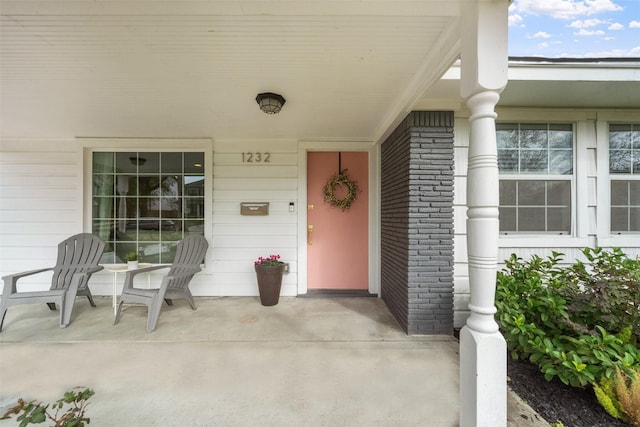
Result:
[{"x": 256, "y": 157}]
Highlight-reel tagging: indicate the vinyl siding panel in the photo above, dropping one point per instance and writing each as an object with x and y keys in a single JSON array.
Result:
[
  {"x": 41, "y": 203},
  {"x": 239, "y": 240},
  {"x": 460, "y": 267}
]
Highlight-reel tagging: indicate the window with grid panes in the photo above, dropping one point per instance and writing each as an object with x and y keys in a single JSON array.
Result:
[
  {"x": 624, "y": 173},
  {"x": 535, "y": 161},
  {"x": 146, "y": 202}
]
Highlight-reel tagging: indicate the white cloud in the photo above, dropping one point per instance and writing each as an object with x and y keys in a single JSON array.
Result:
[
  {"x": 539, "y": 35},
  {"x": 572, "y": 26},
  {"x": 545, "y": 44},
  {"x": 515, "y": 20},
  {"x": 587, "y": 23},
  {"x": 565, "y": 9},
  {"x": 584, "y": 32}
]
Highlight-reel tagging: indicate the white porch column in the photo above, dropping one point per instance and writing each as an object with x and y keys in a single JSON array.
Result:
[{"x": 483, "y": 370}]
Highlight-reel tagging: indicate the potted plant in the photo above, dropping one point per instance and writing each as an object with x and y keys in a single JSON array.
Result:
[
  {"x": 132, "y": 260},
  {"x": 269, "y": 273}
]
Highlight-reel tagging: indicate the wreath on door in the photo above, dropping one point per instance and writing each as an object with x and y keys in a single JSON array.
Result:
[{"x": 339, "y": 179}]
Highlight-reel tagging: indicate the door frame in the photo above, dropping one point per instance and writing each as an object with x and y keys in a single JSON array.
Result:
[{"x": 373, "y": 151}]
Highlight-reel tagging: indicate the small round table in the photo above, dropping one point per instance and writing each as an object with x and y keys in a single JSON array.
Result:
[{"x": 123, "y": 268}]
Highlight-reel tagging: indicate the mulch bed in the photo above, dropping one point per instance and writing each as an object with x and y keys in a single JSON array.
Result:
[{"x": 554, "y": 401}]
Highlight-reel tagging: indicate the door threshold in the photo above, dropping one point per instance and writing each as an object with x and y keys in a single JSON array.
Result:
[{"x": 336, "y": 293}]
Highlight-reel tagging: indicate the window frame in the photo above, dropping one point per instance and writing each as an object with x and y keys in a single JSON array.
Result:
[
  {"x": 604, "y": 234},
  {"x": 572, "y": 178},
  {"x": 115, "y": 145},
  {"x": 620, "y": 176}
]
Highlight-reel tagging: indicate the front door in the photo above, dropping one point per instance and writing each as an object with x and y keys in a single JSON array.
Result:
[{"x": 337, "y": 236}]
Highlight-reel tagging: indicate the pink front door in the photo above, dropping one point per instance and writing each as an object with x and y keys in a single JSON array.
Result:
[{"x": 337, "y": 240}]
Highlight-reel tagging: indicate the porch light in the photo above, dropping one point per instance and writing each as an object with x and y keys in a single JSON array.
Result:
[
  {"x": 270, "y": 103},
  {"x": 137, "y": 161}
]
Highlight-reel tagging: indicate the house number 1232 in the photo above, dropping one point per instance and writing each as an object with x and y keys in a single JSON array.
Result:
[{"x": 256, "y": 157}]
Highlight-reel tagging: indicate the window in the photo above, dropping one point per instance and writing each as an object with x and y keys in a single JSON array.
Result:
[
  {"x": 624, "y": 172},
  {"x": 146, "y": 202},
  {"x": 536, "y": 172}
]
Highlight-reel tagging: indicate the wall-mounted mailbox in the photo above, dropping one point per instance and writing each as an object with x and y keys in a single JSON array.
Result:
[{"x": 254, "y": 208}]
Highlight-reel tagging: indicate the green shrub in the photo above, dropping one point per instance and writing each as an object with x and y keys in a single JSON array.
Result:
[
  {"x": 528, "y": 305},
  {"x": 605, "y": 291},
  {"x": 537, "y": 302}
]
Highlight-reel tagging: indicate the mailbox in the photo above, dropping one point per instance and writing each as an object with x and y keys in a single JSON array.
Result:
[{"x": 254, "y": 208}]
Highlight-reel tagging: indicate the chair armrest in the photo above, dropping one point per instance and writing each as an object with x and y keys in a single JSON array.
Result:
[
  {"x": 137, "y": 271},
  {"x": 78, "y": 277},
  {"x": 26, "y": 273},
  {"x": 95, "y": 269},
  {"x": 166, "y": 280},
  {"x": 11, "y": 279},
  {"x": 128, "y": 278}
]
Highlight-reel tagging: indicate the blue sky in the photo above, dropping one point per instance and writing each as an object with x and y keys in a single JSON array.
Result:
[{"x": 575, "y": 28}]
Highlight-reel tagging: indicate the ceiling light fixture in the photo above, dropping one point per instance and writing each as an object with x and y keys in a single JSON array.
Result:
[
  {"x": 270, "y": 103},
  {"x": 137, "y": 161}
]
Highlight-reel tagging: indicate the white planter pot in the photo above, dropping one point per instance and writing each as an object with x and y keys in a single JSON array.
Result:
[{"x": 132, "y": 265}]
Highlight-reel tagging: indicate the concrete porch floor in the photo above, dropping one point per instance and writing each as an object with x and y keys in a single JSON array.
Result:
[{"x": 233, "y": 362}]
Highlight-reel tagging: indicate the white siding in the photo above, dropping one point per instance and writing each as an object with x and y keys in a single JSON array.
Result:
[
  {"x": 40, "y": 205},
  {"x": 238, "y": 240},
  {"x": 460, "y": 267}
]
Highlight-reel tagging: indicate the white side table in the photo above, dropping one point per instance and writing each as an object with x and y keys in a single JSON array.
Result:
[{"x": 122, "y": 269}]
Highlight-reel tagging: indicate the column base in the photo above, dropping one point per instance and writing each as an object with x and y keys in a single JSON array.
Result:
[{"x": 483, "y": 379}]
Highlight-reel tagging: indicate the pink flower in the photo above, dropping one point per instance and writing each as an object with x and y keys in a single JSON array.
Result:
[{"x": 270, "y": 261}]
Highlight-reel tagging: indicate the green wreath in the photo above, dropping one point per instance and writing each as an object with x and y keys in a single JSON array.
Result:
[{"x": 341, "y": 179}]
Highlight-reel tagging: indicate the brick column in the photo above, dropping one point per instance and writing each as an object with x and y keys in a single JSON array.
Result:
[{"x": 417, "y": 223}]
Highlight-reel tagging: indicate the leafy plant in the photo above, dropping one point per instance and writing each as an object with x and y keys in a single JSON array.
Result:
[
  {"x": 270, "y": 261},
  {"x": 533, "y": 311},
  {"x": 585, "y": 359},
  {"x": 605, "y": 291},
  {"x": 528, "y": 305},
  {"x": 73, "y": 406},
  {"x": 131, "y": 256}
]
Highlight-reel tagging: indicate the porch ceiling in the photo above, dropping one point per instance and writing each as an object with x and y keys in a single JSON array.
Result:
[{"x": 348, "y": 69}]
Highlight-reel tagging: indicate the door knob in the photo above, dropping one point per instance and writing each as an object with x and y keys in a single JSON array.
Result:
[{"x": 309, "y": 232}]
